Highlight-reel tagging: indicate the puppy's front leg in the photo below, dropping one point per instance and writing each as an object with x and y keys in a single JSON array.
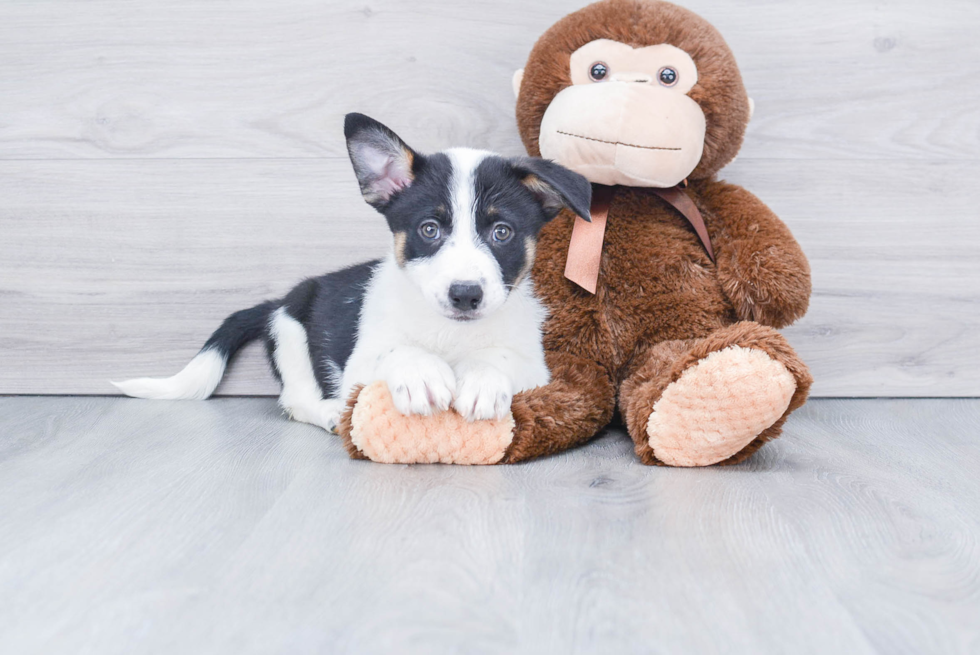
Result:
[
  {"x": 419, "y": 382},
  {"x": 485, "y": 383}
]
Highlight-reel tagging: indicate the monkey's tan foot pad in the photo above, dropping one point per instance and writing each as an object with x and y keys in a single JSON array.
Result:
[
  {"x": 386, "y": 435},
  {"x": 718, "y": 406}
]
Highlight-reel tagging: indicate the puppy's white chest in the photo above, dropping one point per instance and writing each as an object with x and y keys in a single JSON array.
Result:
[{"x": 395, "y": 316}]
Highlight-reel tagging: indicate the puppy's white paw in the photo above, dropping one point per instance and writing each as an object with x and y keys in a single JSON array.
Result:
[
  {"x": 482, "y": 392},
  {"x": 331, "y": 410},
  {"x": 326, "y": 413},
  {"x": 421, "y": 384}
]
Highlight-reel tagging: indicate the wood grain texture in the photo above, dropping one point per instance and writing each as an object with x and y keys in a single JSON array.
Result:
[
  {"x": 94, "y": 292},
  {"x": 155, "y": 527},
  {"x": 163, "y": 164},
  {"x": 271, "y": 78}
]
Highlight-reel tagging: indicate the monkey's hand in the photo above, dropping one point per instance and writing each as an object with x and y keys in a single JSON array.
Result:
[{"x": 761, "y": 267}]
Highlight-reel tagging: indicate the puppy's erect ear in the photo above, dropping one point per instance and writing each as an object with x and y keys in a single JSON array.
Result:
[
  {"x": 382, "y": 162},
  {"x": 555, "y": 186}
]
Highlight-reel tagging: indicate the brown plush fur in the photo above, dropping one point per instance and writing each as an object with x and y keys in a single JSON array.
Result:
[
  {"x": 661, "y": 304},
  {"x": 640, "y": 23},
  {"x": 345, "y": 429},
  {"x": 665, "y": 362}
]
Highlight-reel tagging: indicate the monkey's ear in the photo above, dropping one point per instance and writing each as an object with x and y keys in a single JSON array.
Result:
[
  {"x": 382, "y": 162},
  {"x": 516, "y": 81},
  {"x": 555, "y": 186}
]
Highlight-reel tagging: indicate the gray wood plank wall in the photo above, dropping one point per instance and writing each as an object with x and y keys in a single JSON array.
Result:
[{"x": 165, "y": 163}]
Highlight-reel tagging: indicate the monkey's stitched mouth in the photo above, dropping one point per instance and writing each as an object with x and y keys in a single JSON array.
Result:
[{"x": 615, "y": 143}]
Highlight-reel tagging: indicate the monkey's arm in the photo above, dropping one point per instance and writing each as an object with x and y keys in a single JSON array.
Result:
[
  {"x": 567, "y": 411},
  {"x": 573, "y": 407},
  {"x": 762, "y": 268}
]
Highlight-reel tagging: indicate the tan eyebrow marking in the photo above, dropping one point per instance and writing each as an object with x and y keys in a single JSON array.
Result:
[
  {"x": 530, "y": 244},
  {"x": 400, "y": 239}
]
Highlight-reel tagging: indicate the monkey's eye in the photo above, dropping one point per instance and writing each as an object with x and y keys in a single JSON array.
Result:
[
  {"x": 501, "y": 232},
  {"x": 598, "y": 71},
  {"x": 667, "y": 76},
  {"x": 429, "y": 230}
]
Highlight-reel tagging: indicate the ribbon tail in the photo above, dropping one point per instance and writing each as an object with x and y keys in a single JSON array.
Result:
[
  {"x": 679, "y": 200},
  {"x": 585, "y": 246}
]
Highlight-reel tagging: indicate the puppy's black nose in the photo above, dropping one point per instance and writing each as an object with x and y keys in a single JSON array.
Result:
[{"x": 465, "y": 296}]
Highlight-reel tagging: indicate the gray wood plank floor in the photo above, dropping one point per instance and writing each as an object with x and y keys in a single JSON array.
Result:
[{"x": 133, "y": 526}]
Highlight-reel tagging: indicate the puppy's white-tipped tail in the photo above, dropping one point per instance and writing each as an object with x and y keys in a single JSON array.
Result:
[{"x": 197, "y": 381}]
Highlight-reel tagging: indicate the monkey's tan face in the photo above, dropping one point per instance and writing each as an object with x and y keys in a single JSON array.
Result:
[{"x": 627, "y": 118}]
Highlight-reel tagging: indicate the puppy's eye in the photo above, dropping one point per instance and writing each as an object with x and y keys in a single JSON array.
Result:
[
  {"x": 501, "y": 232},
  {"x": 429, "y": 230},
  {"x": 598, "y": 71},
  {"x": 667, "y": 76}
]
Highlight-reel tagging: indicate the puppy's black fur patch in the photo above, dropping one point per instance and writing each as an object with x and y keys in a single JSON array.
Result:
[
  {"x": 427, "y": 199},
  {"x": 505, "y": 198},
  {"x": 329, "y": 307},
  {"x": 332, "y": 323}
]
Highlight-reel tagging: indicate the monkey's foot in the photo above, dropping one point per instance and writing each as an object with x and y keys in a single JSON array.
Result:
[
  {"x": 718, "y": 406},
  {"x": 375, "y": 429}
]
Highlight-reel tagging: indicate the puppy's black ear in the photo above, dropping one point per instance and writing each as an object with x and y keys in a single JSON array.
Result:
[
  {"x": 383, "y": 163},
  {"x": 555, "y": 186}
]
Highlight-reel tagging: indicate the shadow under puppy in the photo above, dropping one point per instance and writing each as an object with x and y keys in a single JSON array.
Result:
[{"x": 448, "y": 319}]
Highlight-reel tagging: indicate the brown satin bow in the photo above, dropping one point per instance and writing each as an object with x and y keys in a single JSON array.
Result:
[{"x": 585, "y": 246}]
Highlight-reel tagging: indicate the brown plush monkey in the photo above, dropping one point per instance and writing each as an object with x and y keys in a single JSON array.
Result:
[{"x": 676, "y": 331}]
